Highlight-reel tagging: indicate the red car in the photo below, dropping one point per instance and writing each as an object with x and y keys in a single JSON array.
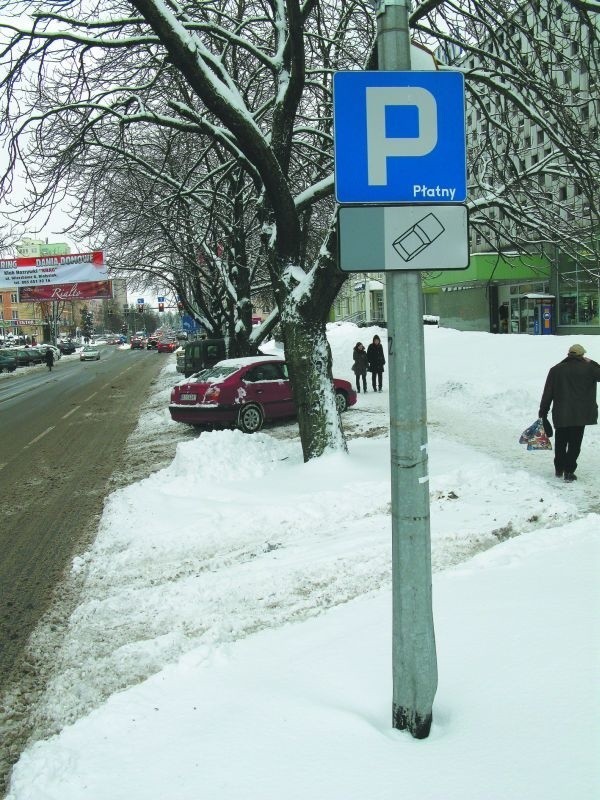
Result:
[
  {"x": 167, "y": 346},
  {"x": 244, "y": 392},
  {"x": 137, "y": 343}
]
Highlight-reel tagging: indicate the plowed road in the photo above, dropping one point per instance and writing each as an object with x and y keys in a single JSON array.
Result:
[{"x": 61, "y": 435}]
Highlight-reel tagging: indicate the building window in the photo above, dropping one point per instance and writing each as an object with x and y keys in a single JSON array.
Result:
[
  {"x": 579, "y": 299},
  {"x": 14, "y": 298},
  {"x": 15, "y": 314},
  {"x": 540, "y": 137},
  {"x": 562, "y": 193}
]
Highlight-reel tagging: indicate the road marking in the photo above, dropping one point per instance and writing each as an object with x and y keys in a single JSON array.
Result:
[
  {"x": 3, "y": 465},
  {"x": 90, "y": 397},
  {"x": 72, "y": 411},
  {"x": 37, "y": 438}
]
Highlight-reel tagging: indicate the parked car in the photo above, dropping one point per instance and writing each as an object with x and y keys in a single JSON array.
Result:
[
  {"x": 167, "y": 346},
  {"x": 28, "y": 356},
  {"x": 67, "y": 348},
  {"x": 43, "y": 347},
  {"x": 89, "y": 353},
  {"x": 244, "y": 392},
  {"x": 201, "y": 354},
  {"x": 8, "y": 361},
  {"x": 137, "y": 343}
]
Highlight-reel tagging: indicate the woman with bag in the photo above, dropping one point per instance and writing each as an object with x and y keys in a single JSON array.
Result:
[
  {"x": 359, "y": 367},
  {"x": 376, "y": 361}
]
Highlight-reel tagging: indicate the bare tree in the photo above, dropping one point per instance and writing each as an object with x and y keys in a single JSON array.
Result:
[{"x": 250, "y": 84}]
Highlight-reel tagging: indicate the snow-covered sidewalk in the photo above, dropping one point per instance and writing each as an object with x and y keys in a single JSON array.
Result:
[{"x": 237, "y": 539}]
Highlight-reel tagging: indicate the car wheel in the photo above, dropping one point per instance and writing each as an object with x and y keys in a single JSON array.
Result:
[
  {"x": 250, "y": 418},
  {"x": 341, "y": 401}
]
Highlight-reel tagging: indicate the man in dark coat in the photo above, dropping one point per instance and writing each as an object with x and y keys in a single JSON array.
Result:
[{"x": 571, "y": 391}]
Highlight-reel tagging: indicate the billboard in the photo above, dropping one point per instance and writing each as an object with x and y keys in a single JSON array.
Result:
[
  {"x": 53, "y": 270},
  {"x": 87, "y": 290}
]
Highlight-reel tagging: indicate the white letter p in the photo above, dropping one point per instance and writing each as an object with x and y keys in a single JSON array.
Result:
[{"x": 379, "y": 146}]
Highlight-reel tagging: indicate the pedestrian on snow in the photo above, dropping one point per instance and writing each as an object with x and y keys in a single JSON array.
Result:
[
  {"x": 49, "y": 358},
  {"x": 571, "y": 391},
  {"x": 376, "y": 360},
  {"x": 360, "y": 365}
]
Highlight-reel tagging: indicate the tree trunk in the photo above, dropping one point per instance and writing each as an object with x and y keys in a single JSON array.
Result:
[{"x": 309, "y": 361}]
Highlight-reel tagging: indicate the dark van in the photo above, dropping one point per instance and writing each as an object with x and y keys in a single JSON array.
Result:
[{"x": 202, "y": 353}]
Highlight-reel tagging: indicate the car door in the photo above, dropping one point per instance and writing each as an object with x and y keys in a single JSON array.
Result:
[{"x": 268, "y": 384}]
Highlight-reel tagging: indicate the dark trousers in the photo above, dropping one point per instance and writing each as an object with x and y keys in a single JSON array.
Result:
[
  {"x": 567, "y": 446},
  {"x": 361, "y": 376},
  {"x": 377, "y": 379}
]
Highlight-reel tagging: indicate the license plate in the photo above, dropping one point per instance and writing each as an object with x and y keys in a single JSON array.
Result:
[{"x": 188, "y": 397}]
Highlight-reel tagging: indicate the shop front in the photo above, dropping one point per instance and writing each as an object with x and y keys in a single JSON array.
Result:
[{"x": 499, "y": 293}]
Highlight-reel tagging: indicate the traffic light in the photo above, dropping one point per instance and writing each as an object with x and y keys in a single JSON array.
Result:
[
  {"x": 180, "y": 304},
  {"x": 126, "y": 308},
  {"x": 124, "y": 328},
  {"x": 140, "y": 308},
  {"x": 161, "y": 306}
]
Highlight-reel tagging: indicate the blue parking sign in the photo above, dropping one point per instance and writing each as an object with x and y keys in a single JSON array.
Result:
[{"x": 399, "y": 137}]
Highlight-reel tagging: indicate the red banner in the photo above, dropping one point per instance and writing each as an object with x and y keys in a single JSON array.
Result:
[
  {"x": 53, "y": 270},
  {"x": 87, "y": 290}
]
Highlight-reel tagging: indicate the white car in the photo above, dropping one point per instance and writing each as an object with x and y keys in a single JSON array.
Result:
[
  {"x": 89, "y": 353},
  {"x": 43, "y": 347}
]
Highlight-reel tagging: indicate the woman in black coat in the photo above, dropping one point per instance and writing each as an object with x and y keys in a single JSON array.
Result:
[
  {"x": 376, "y": 361},
  {"x": 359, "y": 367}
]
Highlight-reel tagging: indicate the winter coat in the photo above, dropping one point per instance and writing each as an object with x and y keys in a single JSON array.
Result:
[
  {"x": 49, "y": 357},
  {"x": 375, "y": 357},
  {"x": 571, "y": 391},
  {"x": 360, "y": 362}
]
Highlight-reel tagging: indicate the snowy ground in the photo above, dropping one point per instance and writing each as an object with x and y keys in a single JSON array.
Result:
[{"x": 232, "y": 636}]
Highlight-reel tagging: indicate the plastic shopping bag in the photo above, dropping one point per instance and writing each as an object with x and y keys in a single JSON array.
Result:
[{"x": 535, "y": 437}]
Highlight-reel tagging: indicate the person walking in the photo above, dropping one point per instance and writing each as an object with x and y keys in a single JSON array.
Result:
[
  {"x": 376, "y": 361},
  {"x": 360, "y": 365},
  {"x": 571, "y": 391},
  {"x": 49, "y": 358}
]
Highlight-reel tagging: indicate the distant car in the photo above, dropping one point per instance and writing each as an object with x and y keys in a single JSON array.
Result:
[
  {"x": 167, "y": 346},
  {"x": 89, "y": 353},
  {"x": 244, "y": 392},
  {"x": 152, "y": 343},
  {"x": 8, "y": 361},
  {"x": 137, "y": 343},
  {"x": 67, "y": 348}
]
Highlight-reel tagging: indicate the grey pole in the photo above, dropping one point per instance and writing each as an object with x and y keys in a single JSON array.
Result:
[{"x": 414, "y": 664}]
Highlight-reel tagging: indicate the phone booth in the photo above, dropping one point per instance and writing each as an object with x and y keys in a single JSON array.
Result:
[{"x": 540, "y": 310}]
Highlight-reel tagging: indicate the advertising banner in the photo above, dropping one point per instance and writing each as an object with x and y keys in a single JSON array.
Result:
[
  {"x": 88, "y": 290},
  {"x": 52, "y": 270}
]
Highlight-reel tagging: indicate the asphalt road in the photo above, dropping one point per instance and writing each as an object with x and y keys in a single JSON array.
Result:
[{"x": 61, "y": 436}]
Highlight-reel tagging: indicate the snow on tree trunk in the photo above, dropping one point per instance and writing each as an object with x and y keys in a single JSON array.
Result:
[{"x": 309, "y": 361}]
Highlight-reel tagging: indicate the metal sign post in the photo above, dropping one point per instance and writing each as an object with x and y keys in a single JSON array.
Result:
[
  {"x": 414, "y": 663},
  {"x": 400, "y": 175}
]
